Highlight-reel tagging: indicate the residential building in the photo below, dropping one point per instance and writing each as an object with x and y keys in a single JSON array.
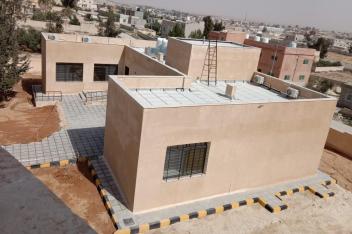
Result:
[
  {"x": 75, "y": 63},
  {"x": 234, "y": 61},
  {"x": 237, "y": 37},
  {"x": 286, "y": 63},
  {"x": 172, "y": 140},
  {"x": 188, "y": 27},
  {"x": 89, "y": 5}
]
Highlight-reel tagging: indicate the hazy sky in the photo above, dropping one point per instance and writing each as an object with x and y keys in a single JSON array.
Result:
[{"x": 325, "y": 14}]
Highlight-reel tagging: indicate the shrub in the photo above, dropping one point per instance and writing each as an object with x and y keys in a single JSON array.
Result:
[
  {"x": 29, "y": 39},
  {"x": 326, "y": 63},
  {"x": 74, "y": 20},
  {"x": 45, "y": 16}
]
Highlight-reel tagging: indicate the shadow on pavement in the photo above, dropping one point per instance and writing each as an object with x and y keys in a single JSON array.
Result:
[{"x": 28, "y": 206}]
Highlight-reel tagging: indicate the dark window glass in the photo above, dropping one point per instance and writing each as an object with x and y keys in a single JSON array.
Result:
[
  {"x": 185, "y": 160},
  {"x": 287, "y": 77},
  {"x": 127, "y": 71},
  {"x": 69, "y": 72},
  {"x": 259, "y": 70},
  {"x": 102, "y": 71},
  {"x": 301, "y": 77},
  {"x": 306, "y": 61}
]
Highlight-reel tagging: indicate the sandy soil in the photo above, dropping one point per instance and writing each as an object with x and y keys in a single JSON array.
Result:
[
  {"x": 339, "y": 57},
  {"x": 21, "y": 122},
  {"x": 306, "y": 214},
  {"x": 73, "y": 185},
  {"x": 338, "y": 167}
]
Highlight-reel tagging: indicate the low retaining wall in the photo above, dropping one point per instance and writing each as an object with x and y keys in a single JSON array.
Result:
[
  {"x": 340, "y": 142},
  {"x": 328, "y": 69}
]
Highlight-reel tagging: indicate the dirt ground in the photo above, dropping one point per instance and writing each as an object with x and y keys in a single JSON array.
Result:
[
  {"x": 74, "y": 187},
  {"x": 306, "y": 214},
  {"x": 21, "y": 122},
  {"x": 339, "y": 57},
  {"x": 338, "y": 167}
]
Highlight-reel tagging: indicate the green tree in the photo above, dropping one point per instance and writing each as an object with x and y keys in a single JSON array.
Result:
[
  {"x": 108, "y": 28},
  {"x": 155, "y": 26},
  {"x": 196, "y": 34},
  {"x": 88, "y": 17},
  {"x": 74, "y": 20},
  {"x": 12, "y": 63},
  {"x": 29, "y": 39},
  {"x": 208, "y": 25},
  {"x": 218, "y": 26},
  {"x": 177, "y": 31},
  {"x": 69, "y": 3},
  {"x": 55, "y": 26},
  {"x": 322, "y": 45},
  {"x": 265, "y": 29},
  {"x": 350, "y": 49}
]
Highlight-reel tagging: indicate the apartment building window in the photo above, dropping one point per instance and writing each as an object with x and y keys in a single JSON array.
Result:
[
  {"x": 274, "y": 57},
  {"x": 185, "y": 160},
  {"x": 301, "y": 77},
  {"x": 259, "y": 70},
  {"x": 127, "y": 70},
  {"x": 349, "y": 97},
  {"x": 69, "y": 72},
  {"x": 287, "y": 77},
  {"x": 102, "y": 71},
  {"x": 306, "y": 61}
]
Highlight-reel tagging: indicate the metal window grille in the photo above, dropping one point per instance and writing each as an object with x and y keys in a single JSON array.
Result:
[
  {"x": 69, "y": 72},
  {"x": 185, "y": 160},
  {"x": 102, "y": 71}
]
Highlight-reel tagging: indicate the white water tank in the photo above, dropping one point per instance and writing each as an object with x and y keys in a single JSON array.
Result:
[
  {"x": 257, "y": 38},
  {"x": 159, "y": 42},
  {"x": 293, "y": 44},
  {"x": 265, "y": 39},
  {"x": 247, "y": 36}
]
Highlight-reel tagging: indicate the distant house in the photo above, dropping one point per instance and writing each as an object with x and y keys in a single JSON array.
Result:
[
  {"x": 286, "y": 63},
  {"x": 188, "y": 27},
  {"x": 87, "y": 5},
  {"x": 237, "y": 37}
]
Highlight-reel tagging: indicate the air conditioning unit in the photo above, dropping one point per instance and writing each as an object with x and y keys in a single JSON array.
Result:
[
  {"x": 259, "y": 79},
  {"x": 292, "y": 93},
  {"x": 52, "y": 37},
  {"x": 86, "y": 39},
  {"x": 230, "y": 91}
]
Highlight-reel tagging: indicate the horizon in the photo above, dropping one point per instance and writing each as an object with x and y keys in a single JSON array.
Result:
[{"x": 316, "y": 13}]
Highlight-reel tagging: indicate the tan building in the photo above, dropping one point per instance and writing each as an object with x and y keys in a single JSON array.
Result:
[
  {"x": 183, "y": 141},
  {"x": 234, "y": 61},
  {"x": 237, "y": 37},
  {"x": 286, "y": 63},
  {"x": 75, "y": 63}
]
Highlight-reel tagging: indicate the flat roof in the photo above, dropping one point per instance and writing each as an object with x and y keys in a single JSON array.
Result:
[
  {"x": 220, "y": 43},
  {"x": 201, "y": 94}
]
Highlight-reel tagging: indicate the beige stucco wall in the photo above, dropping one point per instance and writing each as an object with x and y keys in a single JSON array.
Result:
[
  {"x": 75, "y": 52},
  {"x": 122, "y": 139},
  {"x": 340, "y": 141},
  {"x": 141, "y": 64},
  {"x": 287, "y": 148},
  {"x": 70, "y": 49},
  {"x": 233, "y": 63}
]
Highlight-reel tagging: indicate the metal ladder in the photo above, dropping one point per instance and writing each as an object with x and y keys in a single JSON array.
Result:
[{"x": 210, "y": 66}]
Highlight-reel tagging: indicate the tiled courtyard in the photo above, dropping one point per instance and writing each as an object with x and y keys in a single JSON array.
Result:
[{"x": 83, "y": 136}]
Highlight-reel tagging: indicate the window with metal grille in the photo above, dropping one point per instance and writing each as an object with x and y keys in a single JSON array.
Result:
[
  {"x": 305, "y": 61},
  {"x": 287, "y": 77},
  {"x": 102, "y": 71},
  {"x": 185, "y": 160},
  {"x": 69, "y": 72},
  {"x": 301, "y": 77}
]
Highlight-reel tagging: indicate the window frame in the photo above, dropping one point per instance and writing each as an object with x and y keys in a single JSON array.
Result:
[
  {"x": 187, "y": 161},
  {"x": 97, "y": 65},
  {"x": 289, "y": 77},
  {"x": 306, "y": 61},
  {"x": 66, "y": 79},
  {"x": 300, "y": 77}
]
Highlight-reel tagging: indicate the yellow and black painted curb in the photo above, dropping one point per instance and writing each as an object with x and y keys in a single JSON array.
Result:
[
  {"x": 103, "y": 194},
  {"x": 60, "y": 163},
  {"x": 301, "y": 189},
  {"x": 185, "y": 217},
  {"x": 217, "y": 210}
]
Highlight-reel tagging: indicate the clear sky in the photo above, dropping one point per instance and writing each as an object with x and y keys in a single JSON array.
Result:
[{"x": 324, "y": 14}]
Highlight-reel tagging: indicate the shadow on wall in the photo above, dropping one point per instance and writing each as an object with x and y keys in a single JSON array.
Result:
[
  {"x": 87, "y": 142},
  {"x": 28, "y": 206}
]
